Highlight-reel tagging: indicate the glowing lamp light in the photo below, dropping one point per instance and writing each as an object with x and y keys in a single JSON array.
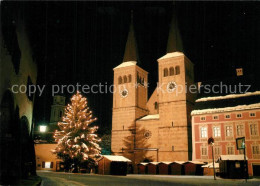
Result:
[{"x": 43, "y": 128}]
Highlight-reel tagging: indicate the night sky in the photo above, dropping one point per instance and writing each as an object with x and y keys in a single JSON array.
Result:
[{"x": 83, "y": 41}]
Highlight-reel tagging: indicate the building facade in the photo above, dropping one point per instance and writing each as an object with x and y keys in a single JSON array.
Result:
[
  {"x": 18, "y": 72},
  {"x": 45, "y": 159},
  {"x": 158, "y": 128},
  {"x": 226, "y": 118}
]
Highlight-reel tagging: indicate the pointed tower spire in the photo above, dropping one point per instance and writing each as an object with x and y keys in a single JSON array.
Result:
[
  {"x": 174, "y": 39},
  {"x": 131, "y": 53}
]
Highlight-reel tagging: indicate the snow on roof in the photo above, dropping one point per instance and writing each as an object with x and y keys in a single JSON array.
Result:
[
  {"x": 154, "y": 163},
  {"x": 230, "y": 96},
  {"x": 126, "y": 64},
  {"x": 226, "y": 109},
  {"x": 172, "y": 54},
  {"x": 116, "y": 158},
  {"x": 232, "y": 157},
  {"x": 196, "y": 162},
  {"x": 210, "y": 165},
  {"x": 179, "y": 162},
  {"x": 166, "y": 162},
  {"x": 148, "y": 117},
  {"x": 143, "y": 163}
]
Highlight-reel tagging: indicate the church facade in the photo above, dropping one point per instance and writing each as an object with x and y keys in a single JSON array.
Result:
[{"x": 156, "y": 128}]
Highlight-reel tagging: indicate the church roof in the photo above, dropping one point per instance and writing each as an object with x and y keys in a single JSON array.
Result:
[
  {"x": 174, "y": 39},
  {"x": 172, "y": 54},
  {"x": 149, "y": 117},
  {"x": 126, "y": 64},
  {"x": 131, "y": 53}
]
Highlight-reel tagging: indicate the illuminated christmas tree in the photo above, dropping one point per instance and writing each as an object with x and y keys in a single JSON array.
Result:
[{"x": 77, "y": 141}]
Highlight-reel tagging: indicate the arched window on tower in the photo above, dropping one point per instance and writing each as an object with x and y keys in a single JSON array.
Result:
[
  {"x": 125, "y": 79},
  {"x": 171, "y": 71},
  {"x": 129, "y": 78},
  {"x": 120, "y": 80},
  {"x": 177, "y": 70},
  {"x": 156, "y": 105},
  {"x": 165, "y": 72}
]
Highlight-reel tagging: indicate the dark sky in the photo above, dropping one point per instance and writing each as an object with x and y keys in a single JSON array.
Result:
[{"x": 83, "y": 41}]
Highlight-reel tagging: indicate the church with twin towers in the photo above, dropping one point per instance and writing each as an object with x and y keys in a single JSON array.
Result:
[{"x": 156, "y": 128}]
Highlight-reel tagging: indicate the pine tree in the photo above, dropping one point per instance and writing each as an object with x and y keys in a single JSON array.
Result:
[{"x": 77, "y": 141}]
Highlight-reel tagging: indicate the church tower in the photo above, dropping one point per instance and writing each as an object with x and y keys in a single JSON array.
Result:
[
  {"x": 129, "y": 98},
  {"x": 175, "y": 103},
  {"x": 57, "y": 109}
]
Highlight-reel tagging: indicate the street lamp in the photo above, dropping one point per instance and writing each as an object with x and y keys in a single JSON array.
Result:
[
  {"x": 43, "y": 128},
  {"x": 211, "y": 142}
]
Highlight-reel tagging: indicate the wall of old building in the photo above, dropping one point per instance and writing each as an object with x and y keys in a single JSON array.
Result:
[{"x": 223, "y": 142}]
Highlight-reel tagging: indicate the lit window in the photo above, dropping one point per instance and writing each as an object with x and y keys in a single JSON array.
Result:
[
  {"x": 202, "y": 118},
  {"x": 240, "y": 130},
  {"x": 253, "y": 129},
  {"x": 215, "y": 117},
  {"x": 255, "y": 149},
  {"x": 47, "y": 164},
  {"x": 216, "y": 131},
  {"x": 204, "y": 151},
  {"x": 203, "y": 131},
  {"x": 229, "y": 131},
  {"x": 227, "y": 116},
  {"x": 230, "y": 150},
  {"x": 239, "y": 115},
  {"x": 252, "y": 114}
]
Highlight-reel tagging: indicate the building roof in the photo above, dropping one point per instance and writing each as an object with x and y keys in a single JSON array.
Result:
[
  {"x": 115, "y": 158},
  {"x": 142, "y": 163},
  {"x": 195, "y": 162},
  {"x": 165, "y": 162},
  {"x": 210, "y": 165},
  {"x": 172, "y": 54},
  {"x": 149, "y": 117},
  {"x": 131, "y": 52},
  {"x": 126, "y": 64},
  {"x": 154, "y": 163},
  {"x": 232, "y": 157},
  {"x": 179, "y": 162},
  {"x": 228, "y": 99},
  {"x": 174, "y": 38}
]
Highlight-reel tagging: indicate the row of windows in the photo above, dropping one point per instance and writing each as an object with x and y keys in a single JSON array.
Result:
[
  {"x": 230, "y": 150},
  {"x": 229, "y": 131},
  {"x": 124, "y": 79},
  {"x": 171, "y": 71},
  {"x": 227, "y": 116}
]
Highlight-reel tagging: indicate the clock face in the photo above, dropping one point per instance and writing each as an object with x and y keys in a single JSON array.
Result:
[
  {"x": 124, "y": 93},
  {"x": 171, "y": 86}
]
